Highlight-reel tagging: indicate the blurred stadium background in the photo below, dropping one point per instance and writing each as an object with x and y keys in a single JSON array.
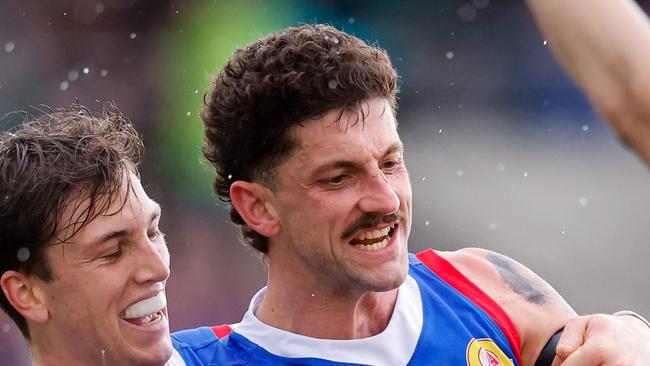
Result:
[{"x": 504, "y": 153}]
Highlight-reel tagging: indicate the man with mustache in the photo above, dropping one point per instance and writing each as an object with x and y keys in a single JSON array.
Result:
[
  {"x": 83, "y": 264},
  {"x": 300, "y": 127}
]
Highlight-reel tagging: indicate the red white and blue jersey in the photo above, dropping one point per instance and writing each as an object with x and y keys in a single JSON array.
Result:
[{"x": 440, "y": 318}]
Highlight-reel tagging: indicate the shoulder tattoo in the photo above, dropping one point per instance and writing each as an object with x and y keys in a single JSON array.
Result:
[{"x": 532, "y": 288}]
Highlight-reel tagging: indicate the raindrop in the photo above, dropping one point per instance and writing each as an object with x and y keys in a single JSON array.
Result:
[
  {"x": 493, "y": 226},
  {"x": 451, "y": 84},
  {"x": 426, "y": 223},
  {"x": 229, "y": 176},
  {"x": 440, "y": 130},
  {"x": 5, "y": 328},
  {"x": 452, "y": 33},
  {"x": 313, "y": 294},
  {"x": 525, "y": 174},
  {"x": 196, "y": 91},
  {"x": 9, "y": 47},
  {"x": 449, "y": 55},
  {"x": 188, "y": 113},
  {"x": 467, "y": 13},
  {"x": 424, "y": 178},
  {"x": 459, "y": 173},
  {"x": 563, "y": 232},
  {"x": 73, "y": 75},
  {"x": 22, "y": 254},
  {"x": 585, "y": 128},
  {"x": 351, "y": 20},
  {"x": 65, "y": 13},
  {"x": 332, "y": 84},
  {"x": 583, "y": 201},
  {"x": 86, "y": 70},
  {"x": 99, "y": 8},
  {"x": 64, "y": 85},
  {"x": 132, "y": 35},
  {"x": 545, "y": 42},
  {"x": 480, "y": 4},
  {"x": 501, "y": 167},
  {"x": 334, "y": 40},
  {"x": 103, "y": 73}
]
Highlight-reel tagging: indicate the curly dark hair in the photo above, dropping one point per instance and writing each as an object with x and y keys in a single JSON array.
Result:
[
  {"x": 276, "y": 83},
  {"x": 49, "y": 163}
]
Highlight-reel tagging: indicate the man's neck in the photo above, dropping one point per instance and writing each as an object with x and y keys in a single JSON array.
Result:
[{"x": 326, "y": 313}]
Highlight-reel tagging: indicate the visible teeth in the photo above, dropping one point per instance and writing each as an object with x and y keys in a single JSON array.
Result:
[
  {"x": 375, "y": 246},
  {"x": 146, "y": 307},
  {"x": 373, "y": 234}
]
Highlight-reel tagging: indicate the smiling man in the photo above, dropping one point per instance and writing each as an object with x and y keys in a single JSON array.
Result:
[
  {"x": 83, "y": 263},
  {"x": 300, "y": 127}
]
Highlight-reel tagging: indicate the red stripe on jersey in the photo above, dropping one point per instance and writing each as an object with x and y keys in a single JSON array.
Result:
[
  {"x": 221, "y": 330},
  {"x": 457, "y": 280}
]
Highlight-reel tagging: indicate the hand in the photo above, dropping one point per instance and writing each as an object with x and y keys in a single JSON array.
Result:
[{"x": 604, "y": 340}]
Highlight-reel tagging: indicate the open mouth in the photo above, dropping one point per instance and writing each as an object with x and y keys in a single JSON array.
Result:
[
  {"x": 374, "y": 239},
  {"x": 146, "y": 312}
]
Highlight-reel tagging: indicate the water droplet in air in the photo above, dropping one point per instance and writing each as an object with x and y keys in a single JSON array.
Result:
[
  {"x": 585, "y": 128},
  {"x": 424, "y": 178},
  {"x": 196, "y": 91},
  {"x": 22, "y": 254},
  {"x": 86, "y": 70},
  {"x": 103, "y": 73},
  {"x": 351, "y": 20},
  {"x": 332, "y": 84},
  {"x": 449, "y": 55},
  {"x": 64, "y": 85},
  {"x": 9, "y": 47},
  {"x": 525, "y": 174},
  {"x": 229, "y": 176},
  {"x": 440, "y": 130},
  {"x": 188, "y": 113},
  {"x": 563, "y": 232},
  {"x": 334, "y": 40},
  {"x": 583, "y": 201},
  {"x": 459, "y": 173},
  {"x": 545, "y": 42},
  {"x": 426, "y": 223},
  {"x": 467, "y": 12},
  {"x": 73, "y": 75},
  {"x": 132, "y": 35}
]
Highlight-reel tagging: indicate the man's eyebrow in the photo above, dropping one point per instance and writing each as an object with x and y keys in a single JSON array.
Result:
[
  {"x": 397, "y": 147},
  {"x": 157, "y": 210},
  {"x": 121, "y": 233}
]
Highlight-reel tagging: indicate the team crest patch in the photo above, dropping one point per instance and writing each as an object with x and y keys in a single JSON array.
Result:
[{"x": 484, "y": 352}]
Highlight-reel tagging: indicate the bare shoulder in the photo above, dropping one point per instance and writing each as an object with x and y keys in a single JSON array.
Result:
[{"x": 535, "y": 308}]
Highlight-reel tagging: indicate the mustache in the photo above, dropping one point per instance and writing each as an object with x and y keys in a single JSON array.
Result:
[{"x": 369, "y": 220}]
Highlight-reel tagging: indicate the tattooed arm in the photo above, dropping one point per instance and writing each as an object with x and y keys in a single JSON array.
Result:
[{"x": 535, "y": 308}]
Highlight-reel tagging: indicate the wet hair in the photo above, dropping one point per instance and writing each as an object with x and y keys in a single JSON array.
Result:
[
  {"x": 48, "y": 165},
  {"x": 272, "y": 85}
]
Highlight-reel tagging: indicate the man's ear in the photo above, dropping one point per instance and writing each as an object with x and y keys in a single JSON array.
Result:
[
  {"x": 25, "y": 294},
  {"x": 253, "y": 203}
]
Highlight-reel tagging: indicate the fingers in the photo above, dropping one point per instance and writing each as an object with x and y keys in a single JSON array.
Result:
[{"x": 572, "y": 337}]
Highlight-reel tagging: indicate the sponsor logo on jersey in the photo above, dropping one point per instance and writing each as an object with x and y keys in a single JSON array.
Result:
[{"x": 484, "y": 352}]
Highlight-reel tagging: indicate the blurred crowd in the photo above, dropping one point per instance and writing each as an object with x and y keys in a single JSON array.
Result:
[{"x": 503, "y": 152}]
